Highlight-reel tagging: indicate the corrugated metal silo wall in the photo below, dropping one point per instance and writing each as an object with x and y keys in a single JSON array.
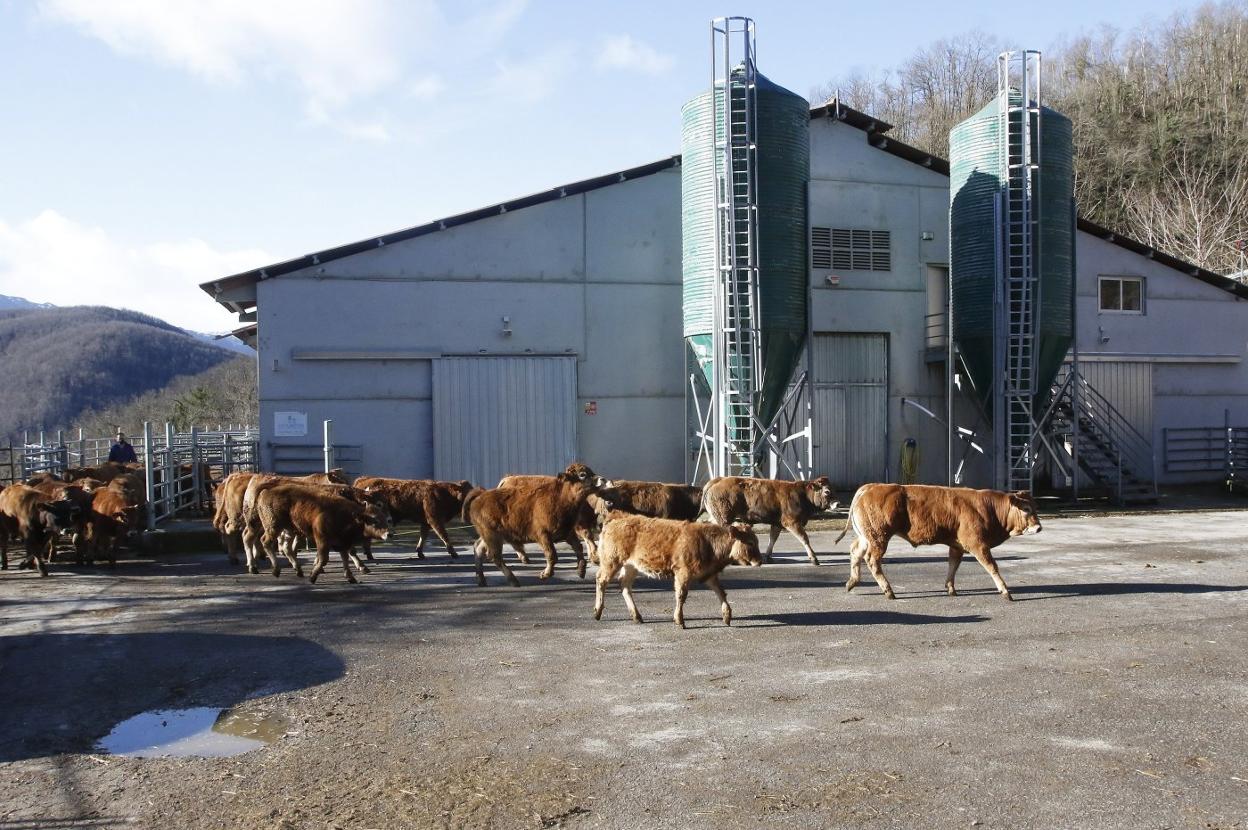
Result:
[
  {"x": 974, "y": 182},
  {"x": 783, "y": 176},
  {"x": 783, "y": 173}
]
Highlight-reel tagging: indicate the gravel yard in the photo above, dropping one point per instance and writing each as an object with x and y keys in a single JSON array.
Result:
[{"x": 1112, "y": 693}]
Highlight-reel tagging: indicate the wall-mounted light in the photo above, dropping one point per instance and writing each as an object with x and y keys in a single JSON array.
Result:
[
  {"x": 506, "y": 327},
  {"x": 927, "y": 236},
  {"x": 832, "y": 279},
  {"x": 276, "y": 367},
  {"x": 1100, "y": 331}
]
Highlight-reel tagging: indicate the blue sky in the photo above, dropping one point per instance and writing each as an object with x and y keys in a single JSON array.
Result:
[{"x": 149, "y": 145}]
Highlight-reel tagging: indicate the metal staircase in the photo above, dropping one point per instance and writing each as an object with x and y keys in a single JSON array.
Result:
[
  {"x": 1018, "y": 80},
  {"x": 1104, "y": 445},
  {"x": 738, "y": 353}
]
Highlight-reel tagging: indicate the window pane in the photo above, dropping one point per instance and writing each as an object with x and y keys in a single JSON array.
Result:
[
  {"x": 1131, "y": 295},
  {"x": 1111, "y": 298}
]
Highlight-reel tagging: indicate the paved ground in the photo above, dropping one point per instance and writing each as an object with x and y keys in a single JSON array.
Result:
[{"x": 1113, "y": 693}]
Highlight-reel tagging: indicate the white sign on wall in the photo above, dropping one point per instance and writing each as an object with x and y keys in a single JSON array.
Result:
[{"x": 290, "y": 424}]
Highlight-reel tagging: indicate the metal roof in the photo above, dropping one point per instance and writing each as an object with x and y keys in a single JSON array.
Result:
[{"x": 874, "y": 129}]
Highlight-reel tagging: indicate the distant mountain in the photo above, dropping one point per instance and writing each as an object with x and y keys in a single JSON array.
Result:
[
  {"x": 58, "y": 363},
  {"x": 229, "y": 342},
  {"x": 20, "y": 302}
]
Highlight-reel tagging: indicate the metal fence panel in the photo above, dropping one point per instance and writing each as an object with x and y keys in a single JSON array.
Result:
[{"x": 498, "y": 415}]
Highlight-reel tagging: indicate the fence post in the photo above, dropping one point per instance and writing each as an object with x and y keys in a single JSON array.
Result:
[
  {"x": 328, "y": 447},
  {"x": 171, "y": 470},
  {"x": 227, "y": 455},
  {"x": 196, "y": 483},
  {"x": 151, "y": 482}
]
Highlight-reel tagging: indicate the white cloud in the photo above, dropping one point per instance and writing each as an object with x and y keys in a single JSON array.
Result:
[
  {"x": 366, "y": 131},
  {"x": 426, "y": 88},
  {"x": 622, "y": 52},
  {"x": 54, "y": 259},
  {"x": 529, "y": 80},
  {"x": 335, "y": 49}
]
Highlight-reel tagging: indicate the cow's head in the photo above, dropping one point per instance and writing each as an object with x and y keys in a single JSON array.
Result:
[
  {"x": 819, "y": 491},
  {"x": 57, "y": 515},
  {"x": 128, "y": 519},
  {"x": 578, "y": 473},
  {"x": 88, "y": 484},
  {"x": 376, "y": 521},
  {"x": 1022, "y": 518},
  {"x": 744, "y": 550},
  {"x": 603, "y": 502},
  {"x": 337, "y": 476},
  {"x": 463, "y": 488}
]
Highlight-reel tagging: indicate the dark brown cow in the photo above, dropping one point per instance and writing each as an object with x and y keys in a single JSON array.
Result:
[
  {"x": 105, "y": 472},
  {"x": 544, "y": 510},
  {"x": 431, "y": 504},
  {"x": 254, "y": 528},
  {"x": 964, "y": 519},
  {"x": 27, "y": 514},
  {"x": 80, "y": 493},
  {"x": 685, "y": 551},
  {"x": 787, "y": 504},
  {"x": 113, "y": 517},
  {"x": 249, "y": 528},
  {"x": 655, "y": 499},
  {"x": 330, "y": 521}
]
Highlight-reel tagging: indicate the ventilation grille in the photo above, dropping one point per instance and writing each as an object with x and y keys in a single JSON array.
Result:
[{"x": 850, "y": 249}]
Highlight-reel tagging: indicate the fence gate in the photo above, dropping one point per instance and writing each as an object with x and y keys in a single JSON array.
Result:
[
  {"x": 851, "y": 408},
  {"x": 498, "y": 415}
]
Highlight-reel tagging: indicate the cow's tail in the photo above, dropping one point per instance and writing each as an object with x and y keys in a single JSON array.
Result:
[
  {"x": 468, "y": 500},
  {"x": 850, "y": 521},
  {"x": 703, "y": 503}
]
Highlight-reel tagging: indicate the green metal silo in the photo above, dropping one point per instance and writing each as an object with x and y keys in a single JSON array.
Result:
[
  {"x": 783, "y": 172},
  {"x": 976, "y": 178}
]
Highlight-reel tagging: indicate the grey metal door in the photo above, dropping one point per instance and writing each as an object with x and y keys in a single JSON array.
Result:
[
  {"x": 498, "y": 415},
  {"x": 851, "y": 408}
]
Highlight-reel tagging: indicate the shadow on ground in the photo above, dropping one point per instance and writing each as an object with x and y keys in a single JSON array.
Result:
[
  {"x": 1101, "y": 589},
  {"x": 811, "y": 618},
  {"x": 63, "y": 692}
]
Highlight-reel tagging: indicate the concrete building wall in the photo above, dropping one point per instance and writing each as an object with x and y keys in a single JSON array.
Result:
[{"x": 595, "y": 275}]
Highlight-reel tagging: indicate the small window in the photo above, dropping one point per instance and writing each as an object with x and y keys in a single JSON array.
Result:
[
  {"x": 850, "y": 249},
  {"x": 1122, "y": 295}
]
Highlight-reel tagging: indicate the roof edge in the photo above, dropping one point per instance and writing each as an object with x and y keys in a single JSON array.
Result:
[{"x": 215, "y": 287}]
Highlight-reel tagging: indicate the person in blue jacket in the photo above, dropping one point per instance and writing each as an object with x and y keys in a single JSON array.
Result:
[{"x": 121, "y": 451}]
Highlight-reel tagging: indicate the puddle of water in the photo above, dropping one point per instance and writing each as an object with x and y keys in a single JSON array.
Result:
[{"x": 205, "y": 732}]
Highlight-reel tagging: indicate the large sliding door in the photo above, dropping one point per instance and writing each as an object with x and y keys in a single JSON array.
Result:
[{"x": 851, "y": 408}]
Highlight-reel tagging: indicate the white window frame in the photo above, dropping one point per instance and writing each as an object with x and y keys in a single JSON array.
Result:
[{"x": 1120, "y": 279}]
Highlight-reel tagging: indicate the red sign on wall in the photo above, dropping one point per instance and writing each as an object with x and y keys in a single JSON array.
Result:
[{"x": 591, "y": 407}]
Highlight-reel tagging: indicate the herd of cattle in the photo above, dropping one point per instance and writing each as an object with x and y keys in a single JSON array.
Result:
[{"x": 627, "y": 528}]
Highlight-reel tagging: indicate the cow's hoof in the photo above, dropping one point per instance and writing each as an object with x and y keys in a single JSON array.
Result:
[
  {"x": 364, "y": 568},
  {"x": 849, "y": 589},
  {"x": 453, "y": 554},
  {"x": 580, "y": 569},
  {"x": 889, "y": 595},
  {"x": 814, "y": 561},
  {"x": 352, "y": 580},
  {"x": 951, "y": 592},
  {"x": 420, "y": 554},
  {"x": 480, "y": 582},
  {"x": 1008, "y": 596},
  {"x": 252, "y": 569},
  {"x": 598, "y": 613},
  {"x": 545, "y": 574}
]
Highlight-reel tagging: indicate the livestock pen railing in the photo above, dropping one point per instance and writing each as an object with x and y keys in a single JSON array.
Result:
[
  {"x": 1221, "y": 449},
  {"x": 178, "y": 467}
]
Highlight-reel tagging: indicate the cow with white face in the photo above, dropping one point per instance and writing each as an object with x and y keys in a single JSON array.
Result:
[{"x": 961, "y": 518}]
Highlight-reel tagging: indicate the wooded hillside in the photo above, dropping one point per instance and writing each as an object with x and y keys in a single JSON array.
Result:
[
  {"x": 58, "y": 363},
  {"x": 1160, "y": 117}
]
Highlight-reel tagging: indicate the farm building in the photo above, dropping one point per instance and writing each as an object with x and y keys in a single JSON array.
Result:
[{"x": 527, "y": 333}]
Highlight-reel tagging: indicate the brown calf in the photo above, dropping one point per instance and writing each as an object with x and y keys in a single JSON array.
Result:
[
  {"x": 113, "y": 517},
  {"x": 431, "y": 504},
  {"x": 655, "y": 499},
  {"x": 543, "y": 510},
  {"x": 787, "y": 504},
  {"x": 27, "y": 514},
  {"x": 964, "y": 519},
  {"x": 329, "y": 520},
  {"x": 685, "y": 551},
  {"x": 228, "y": 516},
  {"x": 80, "y": 493}
]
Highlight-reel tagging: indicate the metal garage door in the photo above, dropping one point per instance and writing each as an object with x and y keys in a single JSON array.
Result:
[
  {"x": 851, "y": 407},
  {"x": 499, "y": 415}
]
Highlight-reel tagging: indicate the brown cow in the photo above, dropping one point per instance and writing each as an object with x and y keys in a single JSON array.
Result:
[
  {"x": 228, "y": 516},
  {"x": 113, "y": 517},
  {"x": 655, "y": 499},
  {"x": 543, "y": 511},
  {"x": 27, "y": 514},
  {"x": 430, "y": 503},
  {"x": 686, "y": 551},
  {"x": 787, "y": 504},
  {"x": 329, "y": 520},
  {"x": 249, "y": 528},
  {"x": 964, "y": 519},
  {"x": 584, "y": 529},
  {"x": 80, "y": 493},
  {"x": 105, "y": 472}
]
